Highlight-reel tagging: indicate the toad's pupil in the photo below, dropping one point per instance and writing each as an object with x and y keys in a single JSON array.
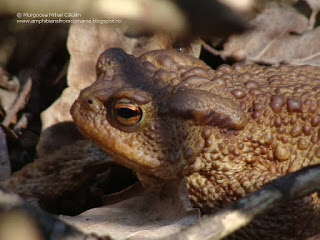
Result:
[{"x": 127, "y": 113}]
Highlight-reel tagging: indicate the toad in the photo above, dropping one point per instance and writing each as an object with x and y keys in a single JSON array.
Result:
[{"x": 227, "y": 131}]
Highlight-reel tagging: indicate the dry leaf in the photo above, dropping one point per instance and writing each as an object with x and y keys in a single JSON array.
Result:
[
  {"x": 143, "y": 216},
  {"x": 279, "y": 34},
  {"x": 58, "y": 128}
]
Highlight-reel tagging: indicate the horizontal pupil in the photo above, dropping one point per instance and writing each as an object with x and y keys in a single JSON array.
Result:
[{"x": 127, "y": 112}]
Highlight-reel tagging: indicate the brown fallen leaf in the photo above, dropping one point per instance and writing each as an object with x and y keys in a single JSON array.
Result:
[
  {"x": 143, "y": 216},
  {"x": 280, "y": 33},
  {"x": 55, "y": 120}
]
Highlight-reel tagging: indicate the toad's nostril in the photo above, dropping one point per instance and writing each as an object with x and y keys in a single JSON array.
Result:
[{"x": 90, "y": 103}]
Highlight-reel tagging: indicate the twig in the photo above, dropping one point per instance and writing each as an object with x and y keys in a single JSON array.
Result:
[
  {"x": 240, "y": 213},
  {"x": 19, "y": 103}
]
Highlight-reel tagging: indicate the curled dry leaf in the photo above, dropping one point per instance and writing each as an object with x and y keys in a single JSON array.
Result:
[
  {"x": 144, "y": 216},
  {"x": 279, "y": 34}
]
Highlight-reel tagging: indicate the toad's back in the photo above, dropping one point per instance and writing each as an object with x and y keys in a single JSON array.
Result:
[{"x": 228, "y": 131}]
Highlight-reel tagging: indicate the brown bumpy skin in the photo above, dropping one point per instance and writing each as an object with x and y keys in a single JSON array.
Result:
[{"x": 228, "y": 131}]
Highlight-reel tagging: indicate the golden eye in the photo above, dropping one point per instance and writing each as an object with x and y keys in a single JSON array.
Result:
[{"x": 127, "y": 113}]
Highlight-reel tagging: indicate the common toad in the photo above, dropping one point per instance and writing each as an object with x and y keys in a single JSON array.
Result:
[{"x": 228, "y": 131}]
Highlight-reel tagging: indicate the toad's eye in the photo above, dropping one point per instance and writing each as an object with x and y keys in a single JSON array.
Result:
[{"x": 127, "y": 113}]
